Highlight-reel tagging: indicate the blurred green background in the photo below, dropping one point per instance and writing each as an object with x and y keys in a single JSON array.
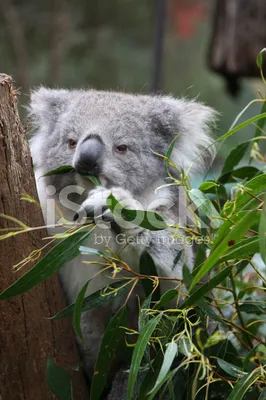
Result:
[{"x": 109, "y": 44}]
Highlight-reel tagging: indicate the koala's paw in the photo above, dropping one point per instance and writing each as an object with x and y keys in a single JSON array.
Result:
[{"x": 95, "y": 207}]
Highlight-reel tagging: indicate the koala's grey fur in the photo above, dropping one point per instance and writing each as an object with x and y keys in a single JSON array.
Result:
[{"x": 147, "y": 125}]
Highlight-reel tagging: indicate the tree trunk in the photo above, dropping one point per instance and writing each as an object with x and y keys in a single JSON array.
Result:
[
  {"x": 27, "y": 337},
  {"x": 238, "y": 36}
]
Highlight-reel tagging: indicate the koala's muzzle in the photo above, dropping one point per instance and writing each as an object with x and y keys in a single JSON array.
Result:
[{"x": 89, "y": 156}]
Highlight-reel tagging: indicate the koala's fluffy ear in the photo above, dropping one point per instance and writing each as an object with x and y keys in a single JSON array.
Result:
[
  {"x": 193, "y": 123},
  {"x": 45, "y": 105}
]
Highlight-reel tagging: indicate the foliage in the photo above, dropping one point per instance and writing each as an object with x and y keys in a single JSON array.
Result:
[{"x": 203, "y": 342}]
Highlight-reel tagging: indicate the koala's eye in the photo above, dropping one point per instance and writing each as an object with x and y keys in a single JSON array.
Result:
[
  {"x": 122, "y": 148},
  {"x": 72, "y": 143}
]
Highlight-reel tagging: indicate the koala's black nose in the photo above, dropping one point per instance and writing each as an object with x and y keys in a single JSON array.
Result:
[{"x": 89, "y": 155}]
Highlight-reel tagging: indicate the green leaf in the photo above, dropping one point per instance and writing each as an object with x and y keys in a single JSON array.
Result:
[
  {"x": 208, "y": 286},
  {"x": 261, "y": 123},
  {"x": 245, "y": 248},
  {"x": 234, "y": 157},
  {"x": 78, "y": 311},
  {"x": 255, "y": 186},
  {"x": 169, "y": 356},
  {"x": 94, "y": 179},
  {"x": 139, "y": 351},
  {"x": 216, "y": 337},
  {"x": 146, "y": 219},
  {"x": 61, "y": 253},
  {"x": 206, "y": 186},
  {"x": 150, "y": 377},
  {"x": 253, "y": 308},
  {"x": 240, "y": 267},
  {"x": 256, "y": 349},
  {"x": 147, "y": 267},
  {"x": 260, "y": 58},
  {"x": 90, "y": 251},
  {"x": 234, "y": 235},
  {"x": 241, "y": 126},
  {"x": 227, "y": 225},
  {"x": 262, "y": 232},
  {"x": 230, "y": 369},
  {"x": 200, "y": 255},
  {"x": 64, "y": 169},
  {"x": 203, "y": 305},
  {"x": 262, "y": 395},
  {"x": 243, "y": 385},
  {"x": 168, "y": 154},
  {"x": 167, "y": 378},
  {"x": 143, "y": 316},
  {"x": 96, "y": 299},
  {"x": 58, "y": 380},
  {"x": 204, "y": 204},
  {"x": 113, "y": 335},
  {"x": 217, "y": 189},
  {"x": 187, "y": 276},
  {"x": 165, "y": 299},
  {"x": 240, "y": 173}
]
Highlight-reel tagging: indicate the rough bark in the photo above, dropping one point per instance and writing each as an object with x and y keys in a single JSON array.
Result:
[
  {"x": 27, "y": 337},
  {"x": 238, "y": 36}
]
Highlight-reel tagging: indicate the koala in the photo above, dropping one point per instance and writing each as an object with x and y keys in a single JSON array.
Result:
[{"x": 117, "y": 137}]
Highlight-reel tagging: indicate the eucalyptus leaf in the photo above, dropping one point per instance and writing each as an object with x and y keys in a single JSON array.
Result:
[
  {"x": 260, "y": 57},
  {"x": 204, "y": 204},
  {"x": 230, "y": 369},
  {"x": 234, "y": 157},
  {"x": 147, "y": 267},
  {"x": 139, "y": 351},
  {"x": 250, "y": 307},
  {"x": 207, "y": 287},
  {"x": 262, "y": 395},
  {"x": 150, "y": 377},
  {"x": 245, "y": 248},
  {"x": 243, "y": 385},
  {"x": 262, "y": 232},
  {"x": 207, "y": 185},
  {"x": 261, "y": 123},
  {"x": 60, "y": 254},
  {"x": 226, "y": 227},
  {"x": 169, "y": 356},
  {"x": 256, "y": 349},
  {"x": 235, "y": 234},
  {"x": 146, "y": 219},
  {"x": 90, "y": 251},
  {"x": 58, "y": 380},
  {"x": 242, "y": 173},
  {"x": 64, "y": 169},
  {"x": 252, "y": 188},
  {"x": 167, "y": 378},
  {"x": 201, "y": 255},
  {"x": 241, "y": 126},
  {"x": 113, "y": 335},
  {"x": 168, "y": 154},
  {"x": 96, "y": 299},
  {"x": 165, "y": 299},
  {"x": 215, "y": 188},
  {"x": 78, "y": 311},
  {"x": 94, "y": 179}
]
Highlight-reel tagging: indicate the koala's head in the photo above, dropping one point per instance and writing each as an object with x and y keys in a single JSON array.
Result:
[{"x": 116, "y": 135}]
